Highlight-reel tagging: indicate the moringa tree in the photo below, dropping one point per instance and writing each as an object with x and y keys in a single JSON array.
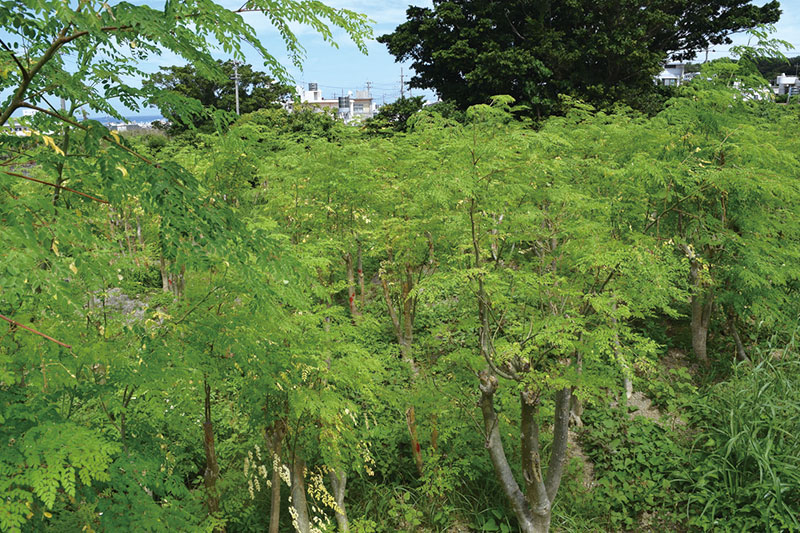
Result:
[{"x": 549, "y": 284}]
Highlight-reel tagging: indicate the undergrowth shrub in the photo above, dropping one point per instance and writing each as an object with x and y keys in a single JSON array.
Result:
[{"x": 634, "y": 461}]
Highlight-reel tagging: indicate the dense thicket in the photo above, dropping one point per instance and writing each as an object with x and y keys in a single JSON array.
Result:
[{"x": 292, "y": 324}]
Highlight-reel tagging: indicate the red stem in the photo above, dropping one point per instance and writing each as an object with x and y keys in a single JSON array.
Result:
[
  {"x": 55, "y": 186},
  {"x": 14, "y": 322}
]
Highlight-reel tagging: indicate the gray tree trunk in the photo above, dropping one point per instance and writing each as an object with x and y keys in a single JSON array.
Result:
[
  {"x": 702, "y": 304},
  {"x": 339, "y": 484},
  {"x": 741, "y": 352},
  {"x": 532, "y": 508},
  {"x": 274, "y": 437},
  {"x": 300, "y": 518}
]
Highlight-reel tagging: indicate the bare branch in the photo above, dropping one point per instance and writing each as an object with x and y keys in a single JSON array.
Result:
[
  {"x": 15, "y": 323},
  {"x": 54, "y": 186}
]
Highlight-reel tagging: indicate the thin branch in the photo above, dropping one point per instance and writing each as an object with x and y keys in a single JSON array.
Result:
[
  {"x": 110, "y": 418},
  {"x": 54, "y": 186},
  {"x": 194, "y": 307},
  {"x": 16, "y": 60},
  {"x": 15, "y": 323},
  {"x": 674, "y": 207},
  {"x": 19, "y": 95}
]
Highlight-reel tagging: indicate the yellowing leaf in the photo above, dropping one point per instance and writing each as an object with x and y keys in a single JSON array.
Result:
[
  {"x": 115, "y": 135},
  {"x": 73, "y": 268},
  {"x": 52, "y": 144},
  {"x": 54, "y": 247},
  {"x": 47, "y": 515},
  {"x": 123, "y": 170}
]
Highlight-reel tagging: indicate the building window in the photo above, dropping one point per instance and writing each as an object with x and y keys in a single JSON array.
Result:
[
  {"x": 670, "y": 82},
  {"x": 358, "y": 108}
]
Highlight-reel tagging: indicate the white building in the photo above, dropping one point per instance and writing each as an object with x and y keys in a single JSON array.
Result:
[
  {"x": 15, "y": 127},
  {"x": 787, "y": 85},
  {"x": 353, "y": 106},
  {"x": 672, "y": 75}
]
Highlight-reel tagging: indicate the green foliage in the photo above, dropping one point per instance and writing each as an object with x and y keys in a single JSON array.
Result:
[
  {"x": 670, "y": 389},
  {"x": 395, "y": 116},
  {"x": 292, "y": 287}
]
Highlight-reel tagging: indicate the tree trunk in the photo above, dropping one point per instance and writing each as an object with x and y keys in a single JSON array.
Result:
[
  {"x": 351, "y": 285},
  {"x": 532, "y": 508},
  {"x": 128, "y": 238},
  {"x": 162, "y": 266},
  {"x": 494, "y": 444},
  {"x": 741, "y": 352},
  {"x": 403, "y": 331},
  {"x": 300, "y": 519},
  {"x": 275, "y": 500},
  {"x": 627, "y": 385},
  {"x": 408, "y": 314},
  {"x": 576, "y": 405},
  {"x": 435, "y": 432},
  {"x": 702, "y": 304},
  {"x": 211, "y": 474},
  {"x": 558, "y": 452},
  {"x": 275, "y": 442},
  {"x": 627, "y": 382},
  {"x": 416, "y": 449},
  {"x": 339, "y": 484},
  {"x": 139, "y": 238},
  {"x": 360, "y": 276},
  {"x": 535, "y": 486}
]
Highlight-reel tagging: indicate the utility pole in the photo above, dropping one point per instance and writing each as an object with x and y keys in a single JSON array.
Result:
[
  {"x": 402, "y": 84},
  {"x": 236, "y": 79},
  {"x": 369, "y": 86}
]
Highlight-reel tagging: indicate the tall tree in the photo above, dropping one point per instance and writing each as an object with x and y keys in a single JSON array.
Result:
[
  {"x": 257, "y": 90},
  {"x": 602, "y": 51}
]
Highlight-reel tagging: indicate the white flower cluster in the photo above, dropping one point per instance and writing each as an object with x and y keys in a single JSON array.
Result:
[{"x": 253, "y": 469}]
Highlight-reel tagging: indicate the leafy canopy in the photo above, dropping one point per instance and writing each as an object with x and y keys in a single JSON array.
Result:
[
  {"x": 602, "y": 52},
  {"x": 257, "y": 91}
]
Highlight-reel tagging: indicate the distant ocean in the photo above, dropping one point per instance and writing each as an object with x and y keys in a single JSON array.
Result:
[{"x": 140, "y": 118}]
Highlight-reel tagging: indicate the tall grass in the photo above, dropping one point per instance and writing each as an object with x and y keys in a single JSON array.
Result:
[{"x": 747, "y": 452}]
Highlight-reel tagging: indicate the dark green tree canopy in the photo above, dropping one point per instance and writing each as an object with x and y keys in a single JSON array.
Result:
[
  {"x": 601, "y": 51},
  {"x": 396, "y": 114},
  {"x": 257, "y": 90}
]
